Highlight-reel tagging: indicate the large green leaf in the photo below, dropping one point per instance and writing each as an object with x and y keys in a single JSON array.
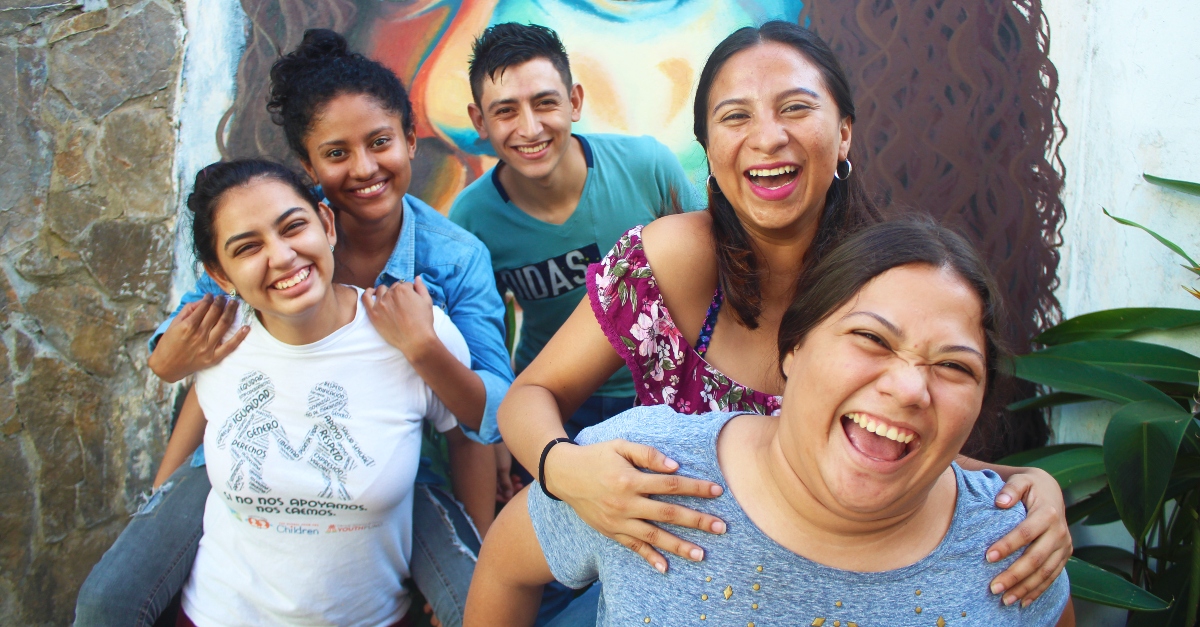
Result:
[
  {"x": 1112, "y": 323},
  {"x": 1096, "y": 503},
  {"x": 1162, "y": 240},
  {"x": 1024, "y": 458},
  {"x": 1186, "y": 187},
  {"x": 1052, "y": 399},
  {"x": 1073, "y": 465},
  {"x": 1140, "y": 446},
  {"x": 1138, "y": 359},
  {"x": 1068, "y": 375},
  {"x": 1092, "y": 583},
  {"x": 1171, "y": 585}
]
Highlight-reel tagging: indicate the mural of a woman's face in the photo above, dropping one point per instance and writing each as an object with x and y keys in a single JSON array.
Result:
[{"x": 637, "y": 61}]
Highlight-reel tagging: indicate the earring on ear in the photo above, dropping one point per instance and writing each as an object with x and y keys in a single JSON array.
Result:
[
  {"x": 233, "y": 292},
  {"x": 331, "y": 248}
]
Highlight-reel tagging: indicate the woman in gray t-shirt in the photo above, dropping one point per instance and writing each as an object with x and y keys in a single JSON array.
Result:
[{"x": 847, "y": 510}]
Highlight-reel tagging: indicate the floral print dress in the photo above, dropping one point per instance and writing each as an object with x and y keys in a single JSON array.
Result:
[{"x": 666, "y": 369}]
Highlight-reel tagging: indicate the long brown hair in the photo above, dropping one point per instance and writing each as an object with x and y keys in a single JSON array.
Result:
[{"x": 847, "y": 207}]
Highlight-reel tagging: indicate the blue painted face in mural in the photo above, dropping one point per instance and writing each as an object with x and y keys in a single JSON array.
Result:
[{"x": 637, "y": 61}]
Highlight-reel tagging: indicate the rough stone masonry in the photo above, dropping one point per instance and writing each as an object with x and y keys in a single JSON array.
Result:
[{"x": 87, "y": 206}]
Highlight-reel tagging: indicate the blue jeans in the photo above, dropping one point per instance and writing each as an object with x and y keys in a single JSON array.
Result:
[
  {"x": 137, "y": 578},
  {"x": 560, "y": 607}
]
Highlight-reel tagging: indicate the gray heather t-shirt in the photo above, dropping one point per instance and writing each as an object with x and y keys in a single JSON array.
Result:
[{"x": 747, "y": 579}]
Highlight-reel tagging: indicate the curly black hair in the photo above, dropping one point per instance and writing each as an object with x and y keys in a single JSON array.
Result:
[
  {"x": 320, "y": 69},
  {"x": 508, "y": 44}
]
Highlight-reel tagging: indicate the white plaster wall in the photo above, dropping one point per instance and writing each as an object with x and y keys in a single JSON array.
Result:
[
  {"x": 216, "y": 37},
  {"x": 1131, "y": 103}
]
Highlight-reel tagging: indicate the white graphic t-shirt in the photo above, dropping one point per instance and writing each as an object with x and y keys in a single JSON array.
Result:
[{"x": 312, "y": 451}]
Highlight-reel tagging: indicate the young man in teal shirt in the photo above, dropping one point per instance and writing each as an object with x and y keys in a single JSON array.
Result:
[{"x": 556, "y": 202}]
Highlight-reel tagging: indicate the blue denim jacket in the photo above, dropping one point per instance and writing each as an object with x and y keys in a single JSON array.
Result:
[{"x": 457, "y": 269}]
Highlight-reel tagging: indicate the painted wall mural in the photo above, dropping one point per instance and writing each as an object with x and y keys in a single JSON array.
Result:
[{"x": 956, "y": 101}]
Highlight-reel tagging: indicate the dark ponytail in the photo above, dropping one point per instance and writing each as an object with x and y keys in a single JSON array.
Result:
[
  {"x": 847, "y": 207},
  {"x": 320, "y": 69},
  {"x": 211, "y": 184}
]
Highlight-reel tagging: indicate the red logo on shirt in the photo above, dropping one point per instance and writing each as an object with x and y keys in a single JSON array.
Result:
[{"x": 261, "y": 523}]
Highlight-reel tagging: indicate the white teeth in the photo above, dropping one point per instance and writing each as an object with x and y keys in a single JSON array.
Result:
[
  {"x": 294, "y": 280},
  {"x": 370, "y": 190},
  {"x": 787, "y": 169},
  {"x": 529, "y": 150},
  {"x": 881, "y": 429}
]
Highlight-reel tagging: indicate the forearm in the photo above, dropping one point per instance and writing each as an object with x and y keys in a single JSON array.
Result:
[
  {"x": 507, "y": 586},
  {"x": 170, "y": 371},
  {"x": 529, "y": 417},
  {"x": 187, "y": 435},
  {"x": 473, "y": 475},
  {"x": 460, "y": 389}
]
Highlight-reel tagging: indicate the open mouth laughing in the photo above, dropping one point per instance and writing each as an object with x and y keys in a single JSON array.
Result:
[
  {"x": 772, "y": 178},
  {"x": 878, "y": 439}
]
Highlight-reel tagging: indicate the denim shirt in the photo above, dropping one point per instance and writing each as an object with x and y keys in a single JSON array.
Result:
[{"x": 457, "y": 269}]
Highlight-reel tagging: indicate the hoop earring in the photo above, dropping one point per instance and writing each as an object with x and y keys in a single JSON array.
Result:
[
  {"x": 713, "y": 188},
  {"x": 837, "y": 170}
]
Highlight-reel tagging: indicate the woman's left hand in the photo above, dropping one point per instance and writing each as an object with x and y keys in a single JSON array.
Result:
[
  {"x": 1044, "y": 530},
  {"x": 403, "y": 314}
]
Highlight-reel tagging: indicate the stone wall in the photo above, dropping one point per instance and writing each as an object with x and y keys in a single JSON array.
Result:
[{"x": 87, "y": 198}]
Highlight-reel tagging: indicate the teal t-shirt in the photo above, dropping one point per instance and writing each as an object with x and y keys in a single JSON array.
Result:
[{"x": 629, "y": 183}]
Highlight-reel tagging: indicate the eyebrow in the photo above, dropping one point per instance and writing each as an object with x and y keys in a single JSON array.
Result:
[
  {"x": 953, "y": 348},
  {"x": 509, "y": 101},
  {"x": 796, "y": 91},
  {"x": 386, "y": 127},
  {"x": 283, "y": 216}
]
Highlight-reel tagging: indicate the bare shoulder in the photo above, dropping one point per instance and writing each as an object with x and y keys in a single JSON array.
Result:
[{"x": 679, "y": 249}]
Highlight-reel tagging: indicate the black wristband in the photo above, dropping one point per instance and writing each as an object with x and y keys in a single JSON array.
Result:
[{"x": 542, "y": 464}]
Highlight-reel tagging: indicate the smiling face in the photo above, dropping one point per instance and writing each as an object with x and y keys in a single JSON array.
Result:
[
  {"x": 273, "y": 247},
  {"x": 775, "y": 137},
  {"x": 360, "y": 155},
  {"x": 883, "y": 393},
  {"x": 526, "y": 113}
]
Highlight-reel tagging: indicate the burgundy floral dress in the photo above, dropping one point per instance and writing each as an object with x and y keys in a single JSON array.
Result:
[{"x": 666, "y": 369}]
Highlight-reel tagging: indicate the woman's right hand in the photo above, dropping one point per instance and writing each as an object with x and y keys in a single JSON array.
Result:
[
  {"x": 193, "y": 340},
  {"x": 602, "y": 483}
]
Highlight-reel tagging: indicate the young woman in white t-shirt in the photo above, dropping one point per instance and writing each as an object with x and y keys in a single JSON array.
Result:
[{"x": 314, "y": 421}]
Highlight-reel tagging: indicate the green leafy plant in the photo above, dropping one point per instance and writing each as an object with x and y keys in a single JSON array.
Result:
[{"x": 1147, "y": 472}]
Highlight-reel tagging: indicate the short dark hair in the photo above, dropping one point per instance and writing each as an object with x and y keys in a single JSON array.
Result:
[
  {"x": 907, "y": 239},
  {"x": 847, "y": 206},
  {"x": 508, "y": 44},
  {"x": 215, "y": 179},
  {"x": 320, "y": 69}
]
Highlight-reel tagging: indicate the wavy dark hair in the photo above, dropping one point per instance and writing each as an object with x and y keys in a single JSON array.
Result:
[
  {"x": 320, "y": 69},
  {"x": 214, "y": 180},
  {"x": 914, "y": 238},
  {"x": 847, "y": 206}
]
